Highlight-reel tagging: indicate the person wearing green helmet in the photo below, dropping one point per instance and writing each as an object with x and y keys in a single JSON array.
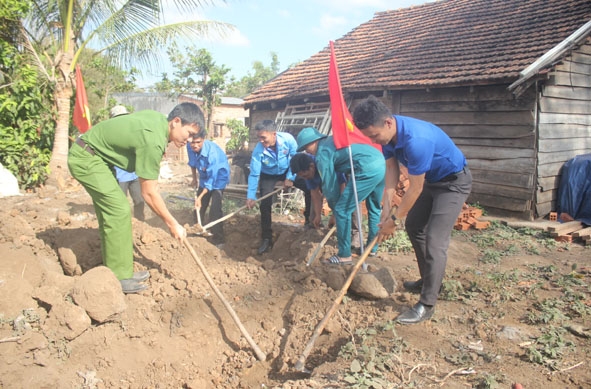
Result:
[{"x": 369, "y": 168}]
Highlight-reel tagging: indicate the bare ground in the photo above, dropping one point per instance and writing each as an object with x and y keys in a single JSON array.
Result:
[{"x": 491, "y": 321}]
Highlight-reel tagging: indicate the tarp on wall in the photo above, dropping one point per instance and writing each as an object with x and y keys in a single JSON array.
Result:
[{"x": 574, "y": 191}]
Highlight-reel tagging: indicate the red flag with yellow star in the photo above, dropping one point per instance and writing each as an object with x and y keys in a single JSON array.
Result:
[
  {"x": 344, "y": 131},
  {"x": 81, "y": 116}
]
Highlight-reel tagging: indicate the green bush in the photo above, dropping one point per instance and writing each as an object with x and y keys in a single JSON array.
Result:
[
  {"x": 26, "y": 124},
  {"x": 238, "y": 135}
]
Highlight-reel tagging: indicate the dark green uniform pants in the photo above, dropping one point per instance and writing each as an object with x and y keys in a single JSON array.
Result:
[{"x": 111, "y": 206}]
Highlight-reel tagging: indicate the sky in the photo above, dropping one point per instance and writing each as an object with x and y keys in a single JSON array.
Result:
[{"x": 295, "y": 30}]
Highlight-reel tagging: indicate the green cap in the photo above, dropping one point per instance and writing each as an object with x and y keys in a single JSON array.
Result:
[{"x": 307, "y": 136}]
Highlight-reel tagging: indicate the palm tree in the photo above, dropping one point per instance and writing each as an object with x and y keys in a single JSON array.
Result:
[{"x": 127, "y": 32}]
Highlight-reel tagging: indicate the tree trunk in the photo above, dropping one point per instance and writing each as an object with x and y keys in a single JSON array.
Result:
[{"x": 58, "y": 164}]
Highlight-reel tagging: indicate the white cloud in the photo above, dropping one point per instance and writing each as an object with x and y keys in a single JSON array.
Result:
[
  {"x": 285, "y": 14},
  {"x": 234, "y": 38}
]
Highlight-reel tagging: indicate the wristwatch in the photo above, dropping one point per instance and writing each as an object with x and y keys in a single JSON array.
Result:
[{"x": 397, "y": 222}]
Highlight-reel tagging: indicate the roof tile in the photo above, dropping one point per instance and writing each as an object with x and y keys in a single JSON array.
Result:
[{"x": 443, "y": 43}]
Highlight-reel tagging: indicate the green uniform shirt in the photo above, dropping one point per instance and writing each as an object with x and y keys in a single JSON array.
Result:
[
  {"x": 330, "y": 162},
  {"x": 134, "y": 142}
]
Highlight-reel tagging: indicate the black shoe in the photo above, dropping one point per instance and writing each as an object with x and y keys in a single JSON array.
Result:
[
  {"x": 413, "y": 286},
  {"x": 266, "y": 245},
  {"x": 416, "y": 314}
]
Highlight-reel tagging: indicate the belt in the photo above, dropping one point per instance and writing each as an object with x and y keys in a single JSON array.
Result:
[
  {"x": 453, "y": 176},
  {"x": 80, "y": 142}
]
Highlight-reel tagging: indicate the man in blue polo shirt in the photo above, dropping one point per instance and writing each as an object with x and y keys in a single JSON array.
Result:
[
  {"x": 439, "y": 184},
  {"x": 211, "y": 162},
  {"x": 269, "y": 164}
]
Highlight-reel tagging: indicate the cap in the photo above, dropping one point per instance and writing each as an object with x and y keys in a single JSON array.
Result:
[
  {"x": 118, "y": 110},
  {"x": 307, "y": 136}
]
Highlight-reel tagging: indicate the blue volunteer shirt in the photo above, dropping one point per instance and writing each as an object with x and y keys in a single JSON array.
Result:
[
  {"x": 212, "y": 164},
  {"x": 124, "y": 175},
  {"x": 424, "y": 148},
  {"x": 268, "y": 161}
]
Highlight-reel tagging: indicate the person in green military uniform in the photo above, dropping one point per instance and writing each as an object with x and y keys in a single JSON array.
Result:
[
  {"x": 369, "y": 168},
  {"x": 134, "y": 142}
]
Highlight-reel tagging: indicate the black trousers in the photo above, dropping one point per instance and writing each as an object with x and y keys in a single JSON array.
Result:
[
  {"x": 215, "y": 212},
  {"x": 135, "y": 191},
  {"x": 267, "y": 184}
]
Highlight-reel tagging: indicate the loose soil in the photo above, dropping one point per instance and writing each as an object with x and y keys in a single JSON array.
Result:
[{"x": 178, "y": 334}]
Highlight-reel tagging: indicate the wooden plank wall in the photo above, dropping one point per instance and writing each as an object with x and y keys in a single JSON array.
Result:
[
  {"x": 495, "y": 132},
  {"x": 564, "y": 123}
]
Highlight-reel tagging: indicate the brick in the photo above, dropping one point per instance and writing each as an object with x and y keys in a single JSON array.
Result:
[
  {"x": 462, "y": 226},
  {"x": 475, "y": 212},
  {"x": 481, "y": 225},
  {"x": 564, "y": 238}
]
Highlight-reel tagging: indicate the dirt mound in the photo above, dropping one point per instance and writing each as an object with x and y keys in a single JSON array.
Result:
[{"x": 66, "y": 324}]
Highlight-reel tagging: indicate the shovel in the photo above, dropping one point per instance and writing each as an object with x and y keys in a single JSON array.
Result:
[
  {"x": 320, "y": 246},
  {"x": 213, "y": 223}
]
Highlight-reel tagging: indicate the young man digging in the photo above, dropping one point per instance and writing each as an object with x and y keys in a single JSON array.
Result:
[
  {"x": 134, "y": 142},
  {"x": 369, "y": 170}
]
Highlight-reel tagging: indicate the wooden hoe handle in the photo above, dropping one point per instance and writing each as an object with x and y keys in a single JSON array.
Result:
[
  {"x": 260, "y": 355},
  {"x": 300, "y": 364}
]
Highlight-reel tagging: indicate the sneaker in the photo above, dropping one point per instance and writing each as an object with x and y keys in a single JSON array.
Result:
[
  {"x": 140, "y": 276},
  {"x": 130, "y": 285}
]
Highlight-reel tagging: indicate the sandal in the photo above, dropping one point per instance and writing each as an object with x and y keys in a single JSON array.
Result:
[{"x": 335, "y": 260}]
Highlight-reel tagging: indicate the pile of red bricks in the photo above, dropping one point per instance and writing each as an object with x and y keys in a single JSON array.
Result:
[
  {"x": 469, "y": 219},
  {"x": 570, "y": 231}
]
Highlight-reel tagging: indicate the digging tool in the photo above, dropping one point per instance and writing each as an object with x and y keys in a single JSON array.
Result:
[
  {"x": 321, "y": 245},
  {"x": 260, "y": 355},
  {"x": 203, "y": 232},
  {"x": 183, "y": 198},
  {"x": 300, "y": 364},
  {"x": 213, "y": 223}
]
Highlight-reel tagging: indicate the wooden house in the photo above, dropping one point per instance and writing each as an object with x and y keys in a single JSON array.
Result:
[{"x": 508, "y": 80}]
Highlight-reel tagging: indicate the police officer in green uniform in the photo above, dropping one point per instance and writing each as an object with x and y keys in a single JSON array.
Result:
[{"x": 134, "y": 142}]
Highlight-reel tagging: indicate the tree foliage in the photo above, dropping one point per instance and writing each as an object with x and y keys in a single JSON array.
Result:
[
  {"x": 57, "y": 32},
  {"x": 260, "y": 74},
  {"x": 101, "y": 80},
  {"x": 26, "y": 121},
  {"x": 196, "y": 73},
  {"x": 238, "y": 135}
]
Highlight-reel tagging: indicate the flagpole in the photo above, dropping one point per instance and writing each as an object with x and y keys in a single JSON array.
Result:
[{"x": 357, "y": 207}]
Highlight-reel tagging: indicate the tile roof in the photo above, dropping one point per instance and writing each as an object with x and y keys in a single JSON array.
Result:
[{"x": 443, "y": 43}]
